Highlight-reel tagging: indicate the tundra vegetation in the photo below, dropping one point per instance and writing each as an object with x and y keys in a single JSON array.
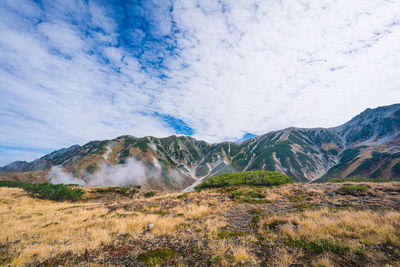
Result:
[{"x": 243, "y": 222}]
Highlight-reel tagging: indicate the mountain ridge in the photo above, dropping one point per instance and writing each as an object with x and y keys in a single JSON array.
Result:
[{"x": 368, "y": 145}]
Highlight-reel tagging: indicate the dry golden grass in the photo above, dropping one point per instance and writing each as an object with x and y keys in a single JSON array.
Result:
[
  {"x": 136, "y": 224},
  {"x": 37, "y": 230},
  {"x": 230, "y": 253},
  {"x": 272, "y": 195},
  {"x": 284, "y": 190},
  {"x": 220, "y": 248},
  {"x": 40, "y": 228},
  {"x": 355, "y": 228},
  {"x": 315, "y": 191},
  {"x": 323, "y": 260},
  {"x": 166, "y": 196},
  {"x": 192, "y": 211},
  {"x": 241, "y": 253},
  {"x": 282, "y": 258},
  {"x": 212, "y": 226}
]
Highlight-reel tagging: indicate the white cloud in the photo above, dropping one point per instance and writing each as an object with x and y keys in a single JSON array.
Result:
[
  {"x": 52, "y": 101},
  {"x": 266, "y": 65},
  {"x": 239, "y": 66},
  {"x": 113, "y": 54},
  {"x": 61, "y": 37},
  {"x": 132, "y": 172}
]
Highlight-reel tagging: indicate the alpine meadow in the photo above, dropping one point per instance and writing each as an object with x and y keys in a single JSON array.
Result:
[{"x": 200, "y": 133}]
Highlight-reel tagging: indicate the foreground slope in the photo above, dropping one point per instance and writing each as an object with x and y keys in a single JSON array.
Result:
[
  {"x": 300, "y": 224},
  {"x": 366, "y": 146}
]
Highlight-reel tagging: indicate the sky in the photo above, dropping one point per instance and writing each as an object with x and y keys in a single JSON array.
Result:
[{"x": 72, "y": 71}]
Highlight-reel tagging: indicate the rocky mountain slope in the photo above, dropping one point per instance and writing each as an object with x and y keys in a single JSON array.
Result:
[{"x": 366, "y": 146}]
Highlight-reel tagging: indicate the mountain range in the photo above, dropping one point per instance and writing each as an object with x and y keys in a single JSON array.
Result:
[{"x": 366, "y": 146}]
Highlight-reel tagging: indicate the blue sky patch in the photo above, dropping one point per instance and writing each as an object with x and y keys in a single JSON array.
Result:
[
  {"x": 27, "y": 149},
  {"x": 246, "y": 137},
  {"x": 179, "y": 126}
]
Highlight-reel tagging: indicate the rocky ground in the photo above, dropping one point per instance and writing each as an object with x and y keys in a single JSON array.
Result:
[{"x": 231, "y": 226}]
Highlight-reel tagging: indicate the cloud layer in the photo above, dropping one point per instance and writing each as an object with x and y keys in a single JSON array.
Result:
[
  {"x": 129, "y": 174},
  {"x": 74, "y": 71}
]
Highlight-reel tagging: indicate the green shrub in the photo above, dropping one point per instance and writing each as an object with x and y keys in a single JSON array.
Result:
[
  {"x": 247, "y": 196},
  {"x": 296, "y": 198},
  {"x": 47, "y": 190},
  {"x": 237, "y": 193},
  {"x": 157, "y": 256},
  {"x": 228, "y": 235},
  {"x": 254, "y": 222},
  {"x": 254, "y": 194},
  {"x": 255, "y": 201},
  {"x": 184, "y": 195},
  {"x": 350, "y": 189},
  {"x": 247, "y": 193},
  {"x": 125, "y": 215},
  {"x": 12, "y": 184},
  {"x": 273, "y": 225},
  {"x": 160, "y": 212},
  {"x": 126, "y": 191},
  {"x": 215, "y": 259},
  {"x": 5, "y": 257},
  {"x": 251, "y": 178},
  {"x": 149, "y": 194},
  {"x": 255, "y": 211},
  {"x": 53, "y": 191},
  {"x": 320, "y": 245}
]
